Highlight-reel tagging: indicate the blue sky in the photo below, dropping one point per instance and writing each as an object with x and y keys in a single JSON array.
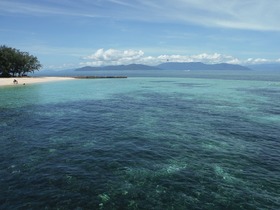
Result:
[{"x": 70, "y": 33}]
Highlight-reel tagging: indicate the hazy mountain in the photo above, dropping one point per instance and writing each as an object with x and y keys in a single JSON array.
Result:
[
  {"x": 169, "y": 66},
  {"x": 119, "y": 67},
  {"x": 265, "y": 67},
  {"x": 200, "y": 66},
  {"x": 163, "y": 66}
]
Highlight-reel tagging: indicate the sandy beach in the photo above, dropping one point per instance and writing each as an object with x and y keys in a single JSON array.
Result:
[{"x": 31, "y": 80}]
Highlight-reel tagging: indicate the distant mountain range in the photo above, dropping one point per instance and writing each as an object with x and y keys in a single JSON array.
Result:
[
  {"x": 119, "y": 67},
  {"x": 200, "y": 66},
  {"x": 165, "y": 66},
  {"x": 169, "y": 66},
  {"x": 265, "y": 67}
]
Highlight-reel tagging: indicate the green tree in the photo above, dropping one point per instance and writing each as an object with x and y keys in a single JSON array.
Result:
[{"x": 13, "y": 62}]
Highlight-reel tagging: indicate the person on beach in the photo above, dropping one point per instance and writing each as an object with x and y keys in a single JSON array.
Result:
[{"x": 15, "y": 82}]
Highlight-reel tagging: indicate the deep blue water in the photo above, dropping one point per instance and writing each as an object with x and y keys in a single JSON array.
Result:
[{"x": 173, "y": 142}]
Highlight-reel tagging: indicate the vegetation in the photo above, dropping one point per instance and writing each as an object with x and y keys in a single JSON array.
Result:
[{"x": 13, "y": 62}]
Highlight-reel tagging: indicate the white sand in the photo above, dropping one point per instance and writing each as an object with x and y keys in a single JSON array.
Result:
[{"x": 30, "y": 80}]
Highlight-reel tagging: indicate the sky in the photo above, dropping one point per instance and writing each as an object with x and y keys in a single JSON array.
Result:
[{"x": 69, "y": 34}]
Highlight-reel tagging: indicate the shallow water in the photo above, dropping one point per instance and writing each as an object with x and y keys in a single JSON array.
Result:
[{"x": 141, "y": 143}]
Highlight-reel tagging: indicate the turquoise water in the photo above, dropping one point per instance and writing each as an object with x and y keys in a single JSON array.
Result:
[{"x": 198, "y": 142}]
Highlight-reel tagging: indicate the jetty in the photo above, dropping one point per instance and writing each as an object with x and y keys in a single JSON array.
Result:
[{"x": 100, "y": 77}]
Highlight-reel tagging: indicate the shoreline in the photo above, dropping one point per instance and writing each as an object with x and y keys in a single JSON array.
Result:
[{"x": 30, "y": 80}]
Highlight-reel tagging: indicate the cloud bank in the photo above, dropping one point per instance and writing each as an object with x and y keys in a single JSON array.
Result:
[
  {"x": 124, "y": 57},
  {"x": 114, "y": 57}
]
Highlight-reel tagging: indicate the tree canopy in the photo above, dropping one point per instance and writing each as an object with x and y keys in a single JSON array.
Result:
[{"x": 13, "y": 62}]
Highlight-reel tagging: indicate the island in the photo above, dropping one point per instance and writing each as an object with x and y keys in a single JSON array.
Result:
[{"x": 169, "y": 66}]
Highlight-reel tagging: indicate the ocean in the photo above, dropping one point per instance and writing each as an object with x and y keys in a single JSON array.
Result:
[{"x": 173, "y": 140}]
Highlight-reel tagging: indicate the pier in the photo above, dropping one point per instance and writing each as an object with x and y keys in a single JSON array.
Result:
[{"x": 100, "y": 77}]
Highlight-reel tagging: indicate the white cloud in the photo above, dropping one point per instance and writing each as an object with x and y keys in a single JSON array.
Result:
[
  {"x": 65, "y": 8},
  {"x": 215, "y": 58},
  {"x": 203, "y": 57},
  {"x": 261, "y": 61},
  {"x": 240, "y": 14},
  {"x": 114, "y": 57},
  {"x": 123, "y": 57}
]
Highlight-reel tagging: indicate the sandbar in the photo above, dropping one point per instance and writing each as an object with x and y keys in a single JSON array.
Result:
[{"x": 30, "y": 80}]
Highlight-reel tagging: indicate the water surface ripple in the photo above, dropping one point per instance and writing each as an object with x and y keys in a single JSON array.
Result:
[{"x": 141, "y": 143}]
